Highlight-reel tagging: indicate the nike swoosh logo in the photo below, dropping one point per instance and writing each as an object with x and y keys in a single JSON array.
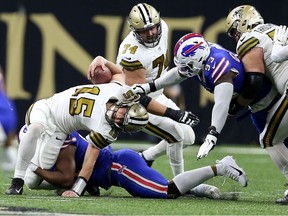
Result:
[
  {"x": 57, "y": 138},
  {"x": 128, "y": 58},
  {"x": 242, "y": 39},
  {"x": 239, "y": 171},
  {"x": 18, "y": 191}
]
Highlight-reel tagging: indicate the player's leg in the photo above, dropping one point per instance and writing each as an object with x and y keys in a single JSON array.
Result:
[
  {"x": 182, "y": 183},
  {"x": 37, "y": 117},
  {"x": 130, "y": 171}
]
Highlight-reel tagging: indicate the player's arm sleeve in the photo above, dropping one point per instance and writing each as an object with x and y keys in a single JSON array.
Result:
[
  {"x": 222, "y": 96},
  {"x": 97, "y": 140},
  {"x": 171, "y": 77},
  {"x": 279, "y": 53}
]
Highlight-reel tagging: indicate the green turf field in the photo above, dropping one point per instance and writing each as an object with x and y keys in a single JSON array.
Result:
[{"x": 266, "y": 184}]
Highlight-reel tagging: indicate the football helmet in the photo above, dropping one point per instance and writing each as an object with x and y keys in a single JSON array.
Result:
[
  {"x": 135, "y": 118},
  {"x": 247, "y": 15},
  {"x": 144, "y": 17},
  {"x": 250, "y": 18},
  {"x": 190, "y": 54}
]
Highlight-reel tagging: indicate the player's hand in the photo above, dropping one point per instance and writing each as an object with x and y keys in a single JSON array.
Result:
[
  {"x": 98, "y": 61},
  {"x": 207, "y": 146},
  {"x": 281, "y": 34},
  {"x": 189, "y": 118},
  {"x": 234, "y": 107},
  {"x": 209, "y": 143},
  {"x": 69, "y": 193},
  {"x": 141, "y": 88}
]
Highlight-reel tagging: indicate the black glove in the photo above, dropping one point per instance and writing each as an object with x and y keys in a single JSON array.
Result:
[
  {"x": 185, "y": 117},
  {"x": 93, "y": 191},
  {"x": 234, "y": 107}
]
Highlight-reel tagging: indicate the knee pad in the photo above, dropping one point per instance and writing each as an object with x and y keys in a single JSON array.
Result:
[
  {"x": 189, "y": 135},
  {"x": 32, "y": 180}
]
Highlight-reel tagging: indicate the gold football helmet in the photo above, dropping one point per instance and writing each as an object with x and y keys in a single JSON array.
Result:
[
  {"x": 136, "y": 116},
  {"x": 143, "y": 17},
  {"x": 250, "y": 19},
  {"x": 247, "y": 15}
]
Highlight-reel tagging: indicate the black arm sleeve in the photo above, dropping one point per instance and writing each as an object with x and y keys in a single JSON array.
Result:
[
  {"x": 252, "y": 84},
  {"x": 144, "y": 100}
]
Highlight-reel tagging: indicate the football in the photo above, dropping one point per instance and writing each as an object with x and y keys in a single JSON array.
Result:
[{"x": 101, "y": 76}]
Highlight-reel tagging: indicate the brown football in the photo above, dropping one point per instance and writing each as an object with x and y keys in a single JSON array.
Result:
[{"x": 101, "y": 76}]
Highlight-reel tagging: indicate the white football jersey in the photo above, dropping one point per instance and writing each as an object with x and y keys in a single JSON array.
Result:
[
  {"x": 262, "y": 36},
  {"x": 133, "y": 55},
  {"x": 84, "y": 107}
]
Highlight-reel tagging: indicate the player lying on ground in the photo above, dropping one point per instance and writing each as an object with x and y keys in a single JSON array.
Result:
[
  {"x": 102, "y": 110},
  {"x": 126, "y": 168}
]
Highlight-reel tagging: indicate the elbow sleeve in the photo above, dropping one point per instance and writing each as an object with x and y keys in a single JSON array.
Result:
[{"x": 252, "y": 84}]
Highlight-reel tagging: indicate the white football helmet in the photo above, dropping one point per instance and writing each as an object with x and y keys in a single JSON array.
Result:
[
  {"x": 143, "y": 17},
  {"x": 136, "y": 116},
  {"x": 190, "y": 54}
]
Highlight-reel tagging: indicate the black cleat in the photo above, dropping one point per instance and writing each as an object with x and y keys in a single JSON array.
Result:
[
  {"x": 16, "y": 187},
  {"x": 282, "y": 201},
  {"x": 148, "y": 162}
]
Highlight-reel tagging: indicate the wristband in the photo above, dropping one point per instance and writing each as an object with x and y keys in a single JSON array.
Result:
[
  {"x": 173, "y": 114},
  {"x": 212, "y": 131},
  {"x": 152, "y": 86},
  {"x": 79, "y": 185}
]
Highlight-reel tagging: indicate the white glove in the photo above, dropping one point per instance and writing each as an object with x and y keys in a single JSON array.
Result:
[
  {"x": 207, "y": 146},
  {"x": 280, "y": 36},
  {"x": 141, "y": 88}
]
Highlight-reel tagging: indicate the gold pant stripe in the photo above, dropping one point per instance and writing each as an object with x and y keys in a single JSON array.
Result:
[{"x": 159, "y": 132}]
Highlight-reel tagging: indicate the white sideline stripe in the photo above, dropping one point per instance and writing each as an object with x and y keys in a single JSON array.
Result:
[{"x": 226, "y": 149}]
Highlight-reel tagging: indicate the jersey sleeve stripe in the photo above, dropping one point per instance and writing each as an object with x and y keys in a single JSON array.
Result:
[
  {"x": 246, "y": 46},
  {"x": 218, "y": 67},
  {"x": 131, "y": 65},
  {"x": 222, "y": 71},
  {"x": 159, "y": 132},
  {"x": 98, "y": 140}
]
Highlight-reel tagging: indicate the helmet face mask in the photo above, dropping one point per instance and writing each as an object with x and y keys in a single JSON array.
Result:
[
  {"x": 145, "y": 22},
  {"x": 190, "y": 54},
  {"x": 135, "y": 117}
]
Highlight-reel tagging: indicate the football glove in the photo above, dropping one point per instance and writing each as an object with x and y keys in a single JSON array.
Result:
[
  {"x": 185, "y": 117},
  {"x": 141, "y": 88},
  {"x": 280, "y": 36},
  {"x": 209, "y": 143},
  {"x": 234, "y": 107}
]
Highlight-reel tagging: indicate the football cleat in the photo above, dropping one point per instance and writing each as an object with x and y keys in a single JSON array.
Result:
[
  {"x": 283, "y": 201},
  {"x": 148, "y": 162},
  {"x": 205, "y": 190},
  {"x": 231, "y": 170},
  {"x": 16, "y": 187}
]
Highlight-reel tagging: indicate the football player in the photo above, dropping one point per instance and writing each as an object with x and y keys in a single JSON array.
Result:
[
  {"x": 8, "y": 126},
  {"x": 126, "y": 168},
  {"x": 104, "y": 110},
  {"x": 221, "y": 72},
  {"x": 254, "y": 46},
  {"x": 143, "y": 56}
]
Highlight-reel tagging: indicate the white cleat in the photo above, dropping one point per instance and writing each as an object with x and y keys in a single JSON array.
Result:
[
  {"x": 205, "y": 190},
  {"x": 232, "y": 170}
]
